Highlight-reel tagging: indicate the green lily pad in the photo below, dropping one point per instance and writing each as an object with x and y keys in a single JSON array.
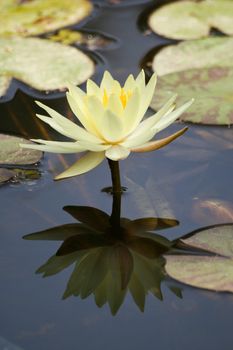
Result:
[
  {"x": 5, "y": 175},
  {"x": 211, "y": 89},
  {"x": 89, "y": 40},
  {"x": 12, "y": 154},
  {"x": 192, "y": 54},
  {"x": 42, "y": 64},
  {"x": 4, "y": 85},
  {"x": 187, "y": 20},
  {"x": 205, "y": 271},
  {"x": 33, "y": 17}
]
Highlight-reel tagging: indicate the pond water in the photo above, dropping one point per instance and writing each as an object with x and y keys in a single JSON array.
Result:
[{"x": 176, "y": 182}]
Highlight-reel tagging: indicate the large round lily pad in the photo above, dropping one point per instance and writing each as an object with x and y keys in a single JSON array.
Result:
[
  {"x": 12, "y": 154},
  {"x": 203, "y": 270},
  {"x": 187, "y": 20},
  {"x": 33, "y": 17},
  {"x": 211, "y": 89},
  {"x": 42, "y": 64},
  {"x": 202, "y": 53}
]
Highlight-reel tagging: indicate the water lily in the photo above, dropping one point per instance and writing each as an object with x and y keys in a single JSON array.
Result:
[{"x": 112, "y": 122}]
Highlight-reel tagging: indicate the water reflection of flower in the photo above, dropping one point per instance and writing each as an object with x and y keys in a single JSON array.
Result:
[
  {"x": 112, "y": 255},
  {"x": 111, "y": 117}
]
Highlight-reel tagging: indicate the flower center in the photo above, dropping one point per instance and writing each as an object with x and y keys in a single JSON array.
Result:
[{"x": 124, "y": 97}]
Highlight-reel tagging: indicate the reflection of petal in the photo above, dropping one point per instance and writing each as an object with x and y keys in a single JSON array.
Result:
[
  {"x": 88, "y": 274},
  {"x": 82, "y": 242},
  {"x": 55, "y": 264},
  {"x": 151, "y": 224},
  {"x": 137, "y": 291},
  {"x": 59, "y": 233},
  {"x": 147, "y": 247},
  {"x": 92, "y": 217},
  {"x": 121, "y": 264}
]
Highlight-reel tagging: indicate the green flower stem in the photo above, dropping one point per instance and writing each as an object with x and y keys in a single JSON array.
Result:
[{"x": 116, "y": 192}]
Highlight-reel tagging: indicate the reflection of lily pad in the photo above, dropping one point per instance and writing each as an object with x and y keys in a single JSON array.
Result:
[
  {"x": 4, "y": 85},
  {"x": 211, "y": 88},
  {"x": 206, "y": 271},
  {"x": 192, "y": 20},
  {"x": 194, "y": 54},
  {"x": 32, "y": 17},
  {"x": 12, "y": 154},
  {"x": 42, "y": 64}
]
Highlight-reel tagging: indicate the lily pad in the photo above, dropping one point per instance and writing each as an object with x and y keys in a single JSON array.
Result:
[
  {"x": 89, "y": 40},
  {"x": 211, "y": 89},
  {"x": 203, "y": 270},
  {"x": 12, "y": 154},
  {"x": 192, "y": 54},
  {"x": 33, "y": 17},
  {"x": 4, "y": 85},
  {"x": 42, "y": 64},
  {"x": 5, "y": 175},
  {"x": 187, "y": 20}
]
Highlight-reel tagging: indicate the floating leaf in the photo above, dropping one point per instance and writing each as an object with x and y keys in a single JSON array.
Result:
[
  {"x": 12, "y": 154},
  {"x": 205, "y": 271},
  {"x": 42, "y": 64},
  {"x": 5, "y": 175},
  {"x": 187, "y": 20},
  {"x": 4, "y": 85},
  {"x": 211, "y": 89},
  {"x": 217, "y": 239},
  {"x": 191, "y": 54},
  {"x": 92, "y": 41},
  {"x": 214, "y": 273},
  {"x": 33, "y": 17}
]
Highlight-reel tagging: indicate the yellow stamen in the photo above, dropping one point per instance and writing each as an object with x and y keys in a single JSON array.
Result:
[
  {"x": 124, "y": 97},
  {"x": 105, "y": 98}
]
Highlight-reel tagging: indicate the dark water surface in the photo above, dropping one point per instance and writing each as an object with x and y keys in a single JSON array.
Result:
[{"x": 169, "y": 183}]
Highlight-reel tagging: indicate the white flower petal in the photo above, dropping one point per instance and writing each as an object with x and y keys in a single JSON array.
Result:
[
  {"x": 82, "y": 115},
  {"x": 93, "y": 146},
  {"x": 150, "y": 122},
  {"x": 167, "y": 120},
  {"x": 130, "y": 83},
  {"x": 130, "y": 114},
  {"x": 115, "y": 105},
  {"x": 139, "y": 140},
  {"x": 71, "y": 129},
  {"x": 51, "y": 148},
  {"x": 117, "y": 152},
  {"x": 96, "y": 110},
  {"x": 147, "y": 96},
  {"x": 107, "y": 82},
  {"x": 51, "y": 122},
  {"x": 93, "y": 89},
  {"x": 140, "y": 80},
  {"x": 157, "y": 144},
  {"x": 86, "y": 163},
  {"x": 112, "y": 127}
]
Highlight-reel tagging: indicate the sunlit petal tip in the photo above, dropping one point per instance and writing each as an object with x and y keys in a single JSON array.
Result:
[{"x": 157, "y": 144}]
